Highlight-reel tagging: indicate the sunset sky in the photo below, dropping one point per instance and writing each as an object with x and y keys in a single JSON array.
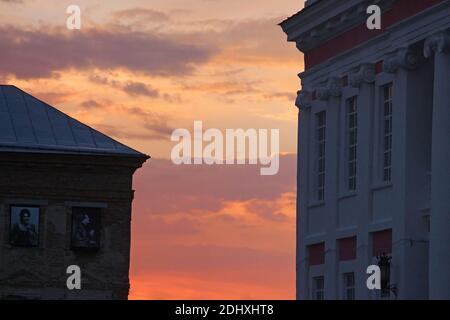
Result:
[{"x": 139, "y": 69}]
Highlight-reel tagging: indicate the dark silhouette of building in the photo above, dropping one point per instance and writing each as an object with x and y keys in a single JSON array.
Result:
[{"x": 65, "y": 199}]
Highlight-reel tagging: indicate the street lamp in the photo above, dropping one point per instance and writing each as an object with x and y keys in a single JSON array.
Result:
[{"x": 384, "y": 263}]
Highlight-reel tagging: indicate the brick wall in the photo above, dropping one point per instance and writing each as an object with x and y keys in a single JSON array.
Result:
[{"x": 56, "y": 183}]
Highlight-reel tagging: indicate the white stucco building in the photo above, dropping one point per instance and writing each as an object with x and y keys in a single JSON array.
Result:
[{"x": 374, "y": 148}]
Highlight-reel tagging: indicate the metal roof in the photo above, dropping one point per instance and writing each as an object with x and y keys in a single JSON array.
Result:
[{"x": 29, "y": 125}]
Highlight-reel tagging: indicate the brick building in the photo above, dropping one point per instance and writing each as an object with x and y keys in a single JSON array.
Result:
[{"x": 65, "y": 199}]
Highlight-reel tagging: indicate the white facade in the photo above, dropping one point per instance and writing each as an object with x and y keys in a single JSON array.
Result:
[{"x": 393, "y": 175}]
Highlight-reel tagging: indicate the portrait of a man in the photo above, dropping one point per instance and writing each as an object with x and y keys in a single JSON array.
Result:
[
  {"x": 24, "y": 226},
  {"x": 86, "y": 228}
]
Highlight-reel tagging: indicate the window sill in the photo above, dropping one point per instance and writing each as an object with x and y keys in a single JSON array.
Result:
[
  {"x": 382, "y": 185},
  {"x": 346, "y": 195},
  {"x": 316, "y": 204}
]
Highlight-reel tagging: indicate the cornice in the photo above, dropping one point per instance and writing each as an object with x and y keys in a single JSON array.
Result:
[{"x": 327, "y": 19}]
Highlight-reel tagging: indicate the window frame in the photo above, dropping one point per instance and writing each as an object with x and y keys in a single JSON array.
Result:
[
  {"x": 320, "y": 142},
  {"x": 318, "y": 293},
  {"x": 351, "y": 128},
  {"x": 382, "y": 80},
  {"x": 346, "y": 287},
  {"x": 386, "y": 105}
]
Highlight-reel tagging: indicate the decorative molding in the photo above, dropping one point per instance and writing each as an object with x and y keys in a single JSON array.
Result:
[
  {"x": 335, "y": 87},
  {"x": 323, "y": 93},
  {"x": 365, "y": 73},
  {"x": 402, "y": 58},
  {"x": 331, "y": 89},
  {"x": 320, "y": 30},
  {"x": 437, "y": 43},
  {"x": 304, "y": 99}
]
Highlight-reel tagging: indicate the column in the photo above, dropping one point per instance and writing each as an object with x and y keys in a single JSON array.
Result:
[
  {"x": 408, "y": 173},
  {"x": 331, "y": 92},
  {"x": 439, "y": 260},
  {"x": 363, "y": 78},
  {"x": 304, "y": 104}
]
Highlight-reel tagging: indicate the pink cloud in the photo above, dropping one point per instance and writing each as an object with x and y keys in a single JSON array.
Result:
[{"x": 37, "y": 53}]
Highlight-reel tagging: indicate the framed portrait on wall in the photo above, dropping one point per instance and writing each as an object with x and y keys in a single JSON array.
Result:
[
  {"x": 24, "y": 226},
  {"x": 86, "y": 228}
]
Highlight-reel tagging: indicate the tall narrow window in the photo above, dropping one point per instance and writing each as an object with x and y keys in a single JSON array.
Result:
[
  {"x": 387, "y": 132},
  {"x": 318, "y": 288},
  {"x": 349, "y": 286},
  {"x": 321, "y": 139},
  {"x": 352, "y": 142}
]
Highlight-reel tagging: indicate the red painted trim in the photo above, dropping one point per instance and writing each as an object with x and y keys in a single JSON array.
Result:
[
  {"x": 400, "y": 10},
  {"x": 347, "y": 249},
  {"x": 316, "y": 253},
  {"x": 379, "y": 67},
  {"x": 382, "y": 242}
]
